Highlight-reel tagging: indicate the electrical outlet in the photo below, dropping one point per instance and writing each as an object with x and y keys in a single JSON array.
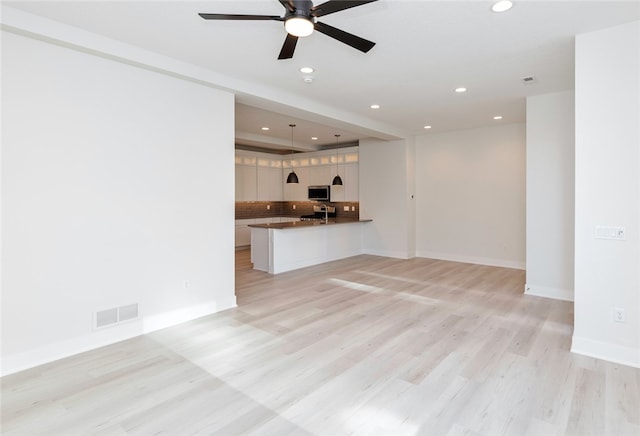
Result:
[
  {"x": 353, "y": 208},
  {"x": 268, "y": 206},
  {"x": 294, "y": 207},
  {"x": 346, "y": 208},
  {"x": 618, "y": 315}
]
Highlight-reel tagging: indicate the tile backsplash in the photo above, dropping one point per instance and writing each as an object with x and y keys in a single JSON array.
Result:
[{"x": 265, "y": 209}]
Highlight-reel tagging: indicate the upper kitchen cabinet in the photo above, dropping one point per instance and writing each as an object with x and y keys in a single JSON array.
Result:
[
  {"x": 319, "y": 168},
  {"x": 345, "y": 164},
  {"x": 246, "y": 178},
  {"x": 258, "y": 177},
  {"x": 351, "y": 187},
  {"x": 295, "y": 191},
  {"x": 269, "y": 179},
  {"x": 262, "y": 176}
]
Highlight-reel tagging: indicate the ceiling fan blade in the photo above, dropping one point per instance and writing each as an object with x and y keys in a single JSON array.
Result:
[
  {"x": 347, "y": 38},
  {"x": 288, "y": 5},
  {"x": 288, "y": 47},
  {"x": 335, "y": 6},
  {"x": 240, "y": 17}
]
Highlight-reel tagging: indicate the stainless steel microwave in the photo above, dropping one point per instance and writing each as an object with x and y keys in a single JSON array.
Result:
[{"x": 319, "y": 193}]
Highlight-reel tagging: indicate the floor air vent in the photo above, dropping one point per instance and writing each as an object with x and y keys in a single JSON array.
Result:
[{"x": 116, "y": 315}]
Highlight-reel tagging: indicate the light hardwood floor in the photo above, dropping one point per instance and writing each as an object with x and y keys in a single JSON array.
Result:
[{"x": 366, "y": 345}]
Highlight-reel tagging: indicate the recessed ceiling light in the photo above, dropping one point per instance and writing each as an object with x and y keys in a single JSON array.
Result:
[
  {"x": 265, "y": 128},
  {"x": 427, "y": 127},
  {"x": 502, "y": 6},
  {"x": 306, "y": 70},
  {"x": 314, "y": 138},
  {"x": 461, "y": 90},
  {"x": 375, "y": 106},
  {"x": 497, "y": 117}
]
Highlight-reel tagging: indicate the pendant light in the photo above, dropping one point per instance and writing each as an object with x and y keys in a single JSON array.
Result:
[
  {"x": 292, "y": 177},
  {"x": 337, "y": 180}
]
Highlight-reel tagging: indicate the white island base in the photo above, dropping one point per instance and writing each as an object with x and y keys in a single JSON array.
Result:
[{"x": 277, "y": 248}]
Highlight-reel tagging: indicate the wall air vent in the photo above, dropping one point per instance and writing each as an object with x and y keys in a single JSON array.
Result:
[
  {"x": 116, "y": 315},
  {"x": 126, "y": 313},
  {"x": 529, "y": 80},
  {"x": 106, "y": 317}
]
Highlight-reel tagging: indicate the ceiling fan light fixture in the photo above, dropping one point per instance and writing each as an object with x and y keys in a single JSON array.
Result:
[
  {"x": 298, "y": 26},
  {"x": 300, "y": 20}
]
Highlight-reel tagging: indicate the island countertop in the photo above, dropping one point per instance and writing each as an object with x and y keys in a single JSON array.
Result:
[
  {"x": 275, "y": 248},
  {"x": 299, "y": 224}
]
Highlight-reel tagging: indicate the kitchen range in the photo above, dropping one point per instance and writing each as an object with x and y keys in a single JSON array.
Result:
[{"x": 320, "y": 213}]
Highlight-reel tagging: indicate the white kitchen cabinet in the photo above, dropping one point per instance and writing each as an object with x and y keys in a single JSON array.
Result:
[
  {"x": 351, "y": 182},
  {"x": 262, "y": 177},
  {"x": 296, "y": 191},
  {"x": 269, "y": 184},
  {"x": 239, "y": 183},
  {"x": 320, "y": 175},
  {"x": 243, "y": 232},
  {"x": 337, "y": 193},
  {"x": 261, "y": 184},
  {"x": 249, "y": 183}
]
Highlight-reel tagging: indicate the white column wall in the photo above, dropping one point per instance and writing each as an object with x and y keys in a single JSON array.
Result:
[
  {"x": 607, "y": 190},
  {"x": 384, "y": 197},
  {"x": 411, "y": 196},
  {"x": 550, "y": 195},
  {"x": 470, "y": 196},
  {"x": 117, "y": 188}
]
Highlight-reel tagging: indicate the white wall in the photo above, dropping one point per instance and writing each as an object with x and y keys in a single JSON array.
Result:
[
  {"x": 550, "y": 195},
  {"x": 117, "y": 188},
  {"x": 384, "y": 197},
  {"x": 411, "y": 196},
  {"x": 470, "y": 196},
  {"x": 607, "y": 191}
]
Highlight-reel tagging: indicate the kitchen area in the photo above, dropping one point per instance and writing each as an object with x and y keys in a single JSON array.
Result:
[{"x": 274, "y": 219}]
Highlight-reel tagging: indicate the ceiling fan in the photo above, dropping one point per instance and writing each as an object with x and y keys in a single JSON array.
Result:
[{"x": 300, "y": 20}]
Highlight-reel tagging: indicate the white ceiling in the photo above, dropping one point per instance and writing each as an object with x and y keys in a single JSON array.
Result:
[{"x": 424, "y": 50}]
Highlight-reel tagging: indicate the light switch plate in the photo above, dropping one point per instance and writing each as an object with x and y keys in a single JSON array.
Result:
[{"x": 611, "y": 232}]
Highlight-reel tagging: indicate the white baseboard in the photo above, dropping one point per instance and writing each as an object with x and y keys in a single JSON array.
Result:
[
  {"x": 548, "y": 292},
  {"x": 387, "y": 253},
  {"x": 99, "y": 338},
  {"x": 472, "y": 259},
  {"x": 175, "y": 317},
  {"x": 606, "y": 351}
]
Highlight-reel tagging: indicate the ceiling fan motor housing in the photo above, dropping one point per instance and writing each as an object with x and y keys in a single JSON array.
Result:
[{"x": 301, "y": 9}]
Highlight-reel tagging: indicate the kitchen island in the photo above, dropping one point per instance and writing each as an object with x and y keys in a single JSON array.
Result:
[{"x": 281, "y": 247}]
